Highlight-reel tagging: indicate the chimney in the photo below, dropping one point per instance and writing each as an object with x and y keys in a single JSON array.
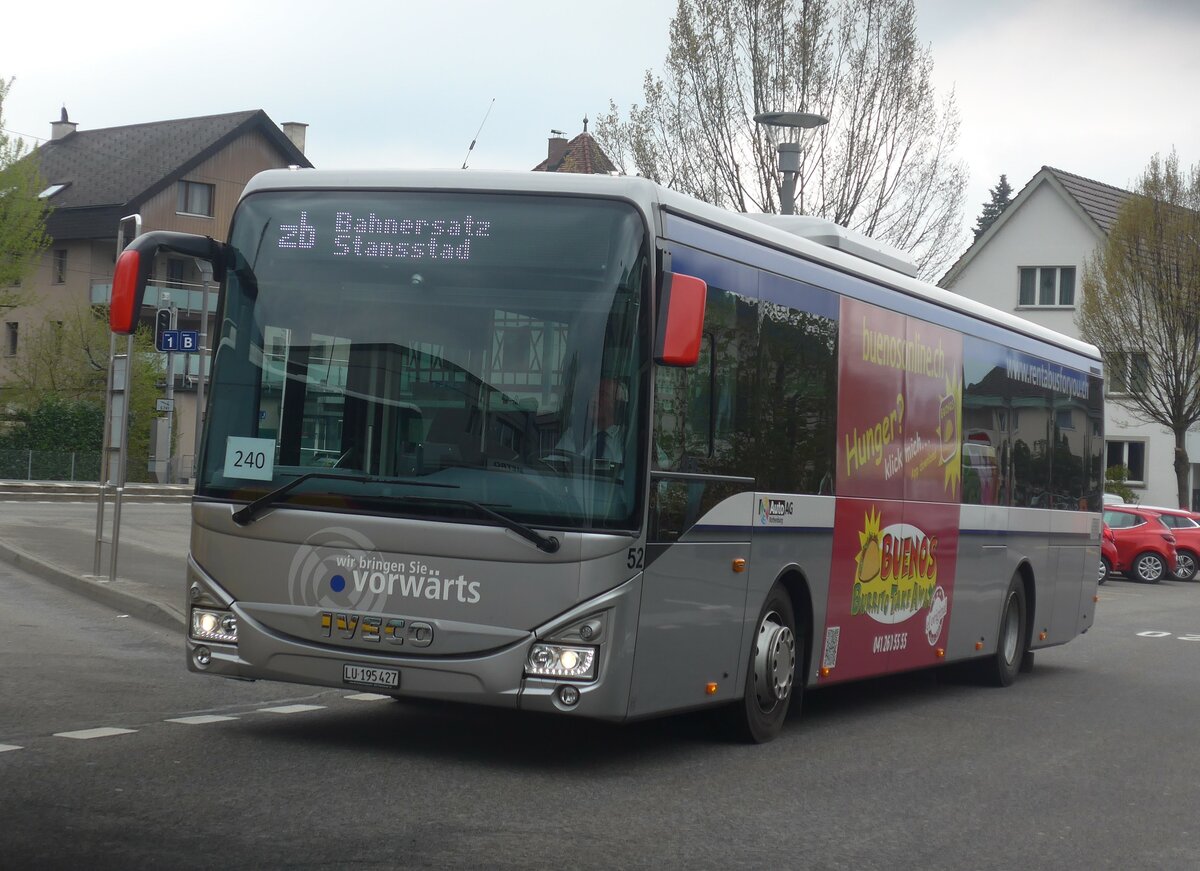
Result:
[
  {"x": 62, "y": 127},
  {"x": 294, "y": 130},
  {"x": 556, "y": 148}
]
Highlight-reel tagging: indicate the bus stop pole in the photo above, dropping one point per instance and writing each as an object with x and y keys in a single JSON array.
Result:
[{"x": 116, "y": 430}]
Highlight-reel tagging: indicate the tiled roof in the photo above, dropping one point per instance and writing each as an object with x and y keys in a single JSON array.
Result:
[
  {"x": 1101, "y": 201},
  {"x": 583, "y": 155},
  {"x": 1097, "y": 201},
  {"x": 114, "y": 170}
]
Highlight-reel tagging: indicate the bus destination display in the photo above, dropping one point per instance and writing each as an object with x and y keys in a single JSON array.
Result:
[{"x": 414, "y": 238}]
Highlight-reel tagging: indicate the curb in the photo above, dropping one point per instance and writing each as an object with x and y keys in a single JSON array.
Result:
[{"x": 97, "y": 590}]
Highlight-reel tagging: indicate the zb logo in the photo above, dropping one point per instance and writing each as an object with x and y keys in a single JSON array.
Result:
[{"x": 301, "y": 235}]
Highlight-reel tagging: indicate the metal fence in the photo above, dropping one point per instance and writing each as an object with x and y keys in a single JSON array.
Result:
[{"x": 49, "y": 466}]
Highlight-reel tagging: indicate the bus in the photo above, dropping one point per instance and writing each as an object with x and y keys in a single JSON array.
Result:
[{"x": 583, "y": 445}]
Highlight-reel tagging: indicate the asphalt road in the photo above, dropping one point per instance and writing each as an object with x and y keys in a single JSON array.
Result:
[{"x": 1088, "y": 762}]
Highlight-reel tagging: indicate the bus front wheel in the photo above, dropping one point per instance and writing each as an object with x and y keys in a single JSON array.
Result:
[{"x": 772, "y": 680}]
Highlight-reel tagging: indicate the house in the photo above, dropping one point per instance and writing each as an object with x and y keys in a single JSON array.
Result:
[
  {"x": 1030, "y": 262},
  {"x": 183, "y": 175},
  {"x": 581, "y": 154}
]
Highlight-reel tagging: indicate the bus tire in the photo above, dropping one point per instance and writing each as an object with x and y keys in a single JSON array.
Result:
[
  {"x": 1000, "y": 669},
  {"x": 773, "y": 679}
]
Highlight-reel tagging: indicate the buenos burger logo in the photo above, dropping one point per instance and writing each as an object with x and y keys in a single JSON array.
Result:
[{"x": 895, "y": 570}]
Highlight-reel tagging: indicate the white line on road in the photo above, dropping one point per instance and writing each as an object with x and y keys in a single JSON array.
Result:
[
  {"x": 7, "y": 747},
  {"x": 85, "y": 734},
  {"x": 367, "y": 697},
  {"x": 201, "y": 719},
  {"x": 290, "y": 709}
]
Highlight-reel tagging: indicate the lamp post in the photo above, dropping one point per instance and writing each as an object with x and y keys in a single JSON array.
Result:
[{"x": 789, "y": 152}]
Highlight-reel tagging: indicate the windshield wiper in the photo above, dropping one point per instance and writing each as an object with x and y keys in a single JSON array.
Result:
[
  {"x": 250, "y": 513},
  {"x": 547, "y": 543}
]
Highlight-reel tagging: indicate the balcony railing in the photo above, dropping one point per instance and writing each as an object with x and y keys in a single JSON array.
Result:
[{"x": 188, "y": 297}]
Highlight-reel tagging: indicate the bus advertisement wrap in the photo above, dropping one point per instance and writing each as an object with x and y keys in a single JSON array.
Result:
[{"x": 896, "y": 527}]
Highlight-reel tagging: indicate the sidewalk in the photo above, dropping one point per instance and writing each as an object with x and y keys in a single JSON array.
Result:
[{"x": 56, "y": 541}]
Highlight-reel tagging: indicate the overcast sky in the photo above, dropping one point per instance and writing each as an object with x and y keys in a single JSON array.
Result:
[{"x": 1094, "y": 87}]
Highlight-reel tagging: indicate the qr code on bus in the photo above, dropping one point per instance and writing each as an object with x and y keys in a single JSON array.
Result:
[{"x": 831, "y": 644}]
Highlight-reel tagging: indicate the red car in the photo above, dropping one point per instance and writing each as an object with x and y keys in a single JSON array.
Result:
[
  {"x": 1108, "y": 552},
  {"x": 1186, "y": 529},
  {"x": 1145, "y": 545}
]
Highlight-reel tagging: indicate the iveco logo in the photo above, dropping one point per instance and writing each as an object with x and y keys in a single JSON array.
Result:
[{"x": 393, "y": 630}]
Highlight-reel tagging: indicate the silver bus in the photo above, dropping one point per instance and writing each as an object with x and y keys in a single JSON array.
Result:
[{"x": 582, "y": 445}]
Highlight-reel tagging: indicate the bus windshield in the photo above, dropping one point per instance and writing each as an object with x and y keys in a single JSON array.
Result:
[{"x": 469, "y": 349}]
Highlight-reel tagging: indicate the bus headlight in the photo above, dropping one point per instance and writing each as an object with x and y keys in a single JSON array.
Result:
[
  {"x": 560, "y": 660},
  {"x": 211, "y": 625}
]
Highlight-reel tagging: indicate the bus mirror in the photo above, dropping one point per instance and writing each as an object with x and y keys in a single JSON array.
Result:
[
  {"x": 132, "y": 272},
  {"x": 680, "y": 320}
]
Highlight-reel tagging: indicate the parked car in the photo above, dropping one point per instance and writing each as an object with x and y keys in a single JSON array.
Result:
[
  {"x": 1185, "y": 526},
  {"x": 1108, "y": 552},
  {"x": 1145, "y": 546}
]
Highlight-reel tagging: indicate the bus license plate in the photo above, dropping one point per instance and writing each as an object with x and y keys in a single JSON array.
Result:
[{"x": 371, "y": 676}]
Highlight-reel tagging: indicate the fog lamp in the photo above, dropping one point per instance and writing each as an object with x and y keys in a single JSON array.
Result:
[
  {"x": 568, "y": 695},
  {"x": 210, "y": 625},
  {"x": 558, "y": 660}
]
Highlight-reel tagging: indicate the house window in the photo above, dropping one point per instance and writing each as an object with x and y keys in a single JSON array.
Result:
[
  {"x": 1127, "y": 372},
  {"x": 1047, "y": 286},
  {"x": 10, "y": 338},
  {"x": 1131, "y": 455},
  {"x": 60, "y": 265},
  {"x": 195, "y": 198},
  {"x": 176, "y": 269}
]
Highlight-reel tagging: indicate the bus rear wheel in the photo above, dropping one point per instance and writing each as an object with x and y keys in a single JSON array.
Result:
[
  {"x": 772, "y": 679},
  {"x": 1000, "y": 669}
]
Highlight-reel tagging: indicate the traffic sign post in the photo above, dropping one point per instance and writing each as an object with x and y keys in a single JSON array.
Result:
[
  {"x": 167, "y": 340},
  {"x": 164, "y": 335}
]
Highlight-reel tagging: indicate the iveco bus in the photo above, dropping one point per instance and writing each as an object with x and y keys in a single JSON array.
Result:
[{"x": 580, "y": 444}]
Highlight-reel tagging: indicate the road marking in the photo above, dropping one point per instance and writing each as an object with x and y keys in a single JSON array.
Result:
[
  {"x": 290, "y": 709},
  {"x": 85, "y": 734},
  {"x": 6, "y": 747},
  {"x": 201, "y": 719},
  {"x": 367, "y": 697}
]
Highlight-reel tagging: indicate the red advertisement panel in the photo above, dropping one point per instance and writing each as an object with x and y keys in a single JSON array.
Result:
[
  {"x": 933, "y": 411},
  {"x": 890, "y": 588},
  {"x": 899, "y": 406},
  {"x": 871, "y": 403},
  {"x": 899, "y": 467}
]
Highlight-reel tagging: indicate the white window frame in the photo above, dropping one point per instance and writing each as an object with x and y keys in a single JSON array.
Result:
[
  {"x": 1059, "y": 289},
  {"x": 1123, "y": 369},
  {"x": 1125, "y": 443}
]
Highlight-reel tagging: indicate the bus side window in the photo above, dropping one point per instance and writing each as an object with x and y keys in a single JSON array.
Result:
[
  {"x": 683, "y": 411},
  {"x": 669, "y": 415}
]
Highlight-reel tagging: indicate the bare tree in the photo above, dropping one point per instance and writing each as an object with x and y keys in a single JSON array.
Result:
[
  {"x": 883, "y": 165},
  {"x": 1141, "y": 303}
]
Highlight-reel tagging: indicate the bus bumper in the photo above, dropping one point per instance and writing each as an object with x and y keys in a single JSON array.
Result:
[{"x": 495, "y": 678}]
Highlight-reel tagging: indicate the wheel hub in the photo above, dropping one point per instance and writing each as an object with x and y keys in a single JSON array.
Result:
[{"x": 774, "y": 662}]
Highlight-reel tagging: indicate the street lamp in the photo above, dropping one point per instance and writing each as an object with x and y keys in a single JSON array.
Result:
[{"x": 789, "y": 152}]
